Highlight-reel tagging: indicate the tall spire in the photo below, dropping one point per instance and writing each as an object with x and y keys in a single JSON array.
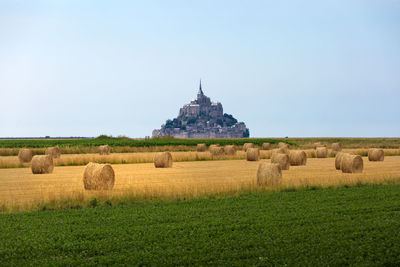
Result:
[{"x": 200, "y": 90}]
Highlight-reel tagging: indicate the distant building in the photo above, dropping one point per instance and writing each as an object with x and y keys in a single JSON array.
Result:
[{"x": 202, "y": 118}]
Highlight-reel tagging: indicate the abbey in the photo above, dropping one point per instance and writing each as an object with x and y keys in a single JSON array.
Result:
[{"x": 202, "y": 118}]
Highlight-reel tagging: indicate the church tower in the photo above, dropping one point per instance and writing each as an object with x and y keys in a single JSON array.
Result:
[
  {"x": 200, "y": 93},
  {"x": 202, "y": 99}
]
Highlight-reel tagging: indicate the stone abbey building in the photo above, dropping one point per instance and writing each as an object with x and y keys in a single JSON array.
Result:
[{"x": 202, "y": 118}]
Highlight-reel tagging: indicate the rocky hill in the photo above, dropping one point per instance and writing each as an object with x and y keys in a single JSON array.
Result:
[{"x": 202, "y": 118}]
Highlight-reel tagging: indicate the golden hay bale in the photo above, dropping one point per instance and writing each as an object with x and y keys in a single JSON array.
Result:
[
  {"x": 297, "y": 157},
  {"x": 269, "y": 174},
  {"x": 336, "y": 147},
  {"x": 98, "y": 177},
  {"x": 319, "y": 144},
  {"x": 212, "y": 146},
  {"x": 247, "y": 146},
  {"x": 163, "y": 160},
  {"x": 25, "y": 155},
  {"x": 338, "y": 160},
  {"x": 216, "y": 150},
  {"x": 282, "y": 144},
  {"x": 275, "y": 150},
  {"x": 322, "y": 152},
  {"x": 375, "y": 154},
  {"x": 266, "y": 146},
  {"x": 282, "y": 160},
  {"x": 104, "y": 150},
  {"x": 253, "y": 154},
  {"x": 284, "y": 150},
  {"x": 42, "y": 164},
  {"x": 201, "y": 147},
  {"x": 351, "y": 163},
  {"x": 53, "y": 151},
  {"x": 230, "y": 150}
]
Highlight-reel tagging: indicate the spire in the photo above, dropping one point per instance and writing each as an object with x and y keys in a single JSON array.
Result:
[{"x": 200, "y": 90}]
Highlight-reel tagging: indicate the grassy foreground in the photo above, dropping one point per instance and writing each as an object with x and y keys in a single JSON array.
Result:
[{"x": 356, "y": 226}]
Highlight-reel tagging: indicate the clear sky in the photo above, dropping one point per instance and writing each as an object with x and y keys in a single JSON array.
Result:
[{"x": 285, "y": 68}]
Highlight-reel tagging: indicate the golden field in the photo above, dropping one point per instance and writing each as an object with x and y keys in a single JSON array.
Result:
[
  {"x": 147, "y": 157},
  {"x": 20, "y": 189}
]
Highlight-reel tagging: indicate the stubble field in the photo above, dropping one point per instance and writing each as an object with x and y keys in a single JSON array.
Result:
[{"x": 20, "y": 189}]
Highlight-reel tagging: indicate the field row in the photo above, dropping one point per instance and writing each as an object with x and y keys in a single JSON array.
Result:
[
  {"x": 19, "y": 187},
  {"x": 125, "y": 145},
  {"x": 147, "y": 157},
  {"x": 125, "y": 142}
]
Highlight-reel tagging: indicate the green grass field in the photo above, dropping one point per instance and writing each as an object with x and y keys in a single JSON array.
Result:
[
  {"x": 126, "y": 142},
  {"x": 342, "y": 226}
]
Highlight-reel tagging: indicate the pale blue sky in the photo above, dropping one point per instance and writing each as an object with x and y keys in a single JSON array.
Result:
[{"x": 286, "y": 68}]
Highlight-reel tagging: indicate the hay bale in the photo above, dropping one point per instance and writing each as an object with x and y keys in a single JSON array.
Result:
[
  {"x": 247, "y": 146},
  {"x": 163, "y": 160},
  {"x": 275, "y": 150},
  {"x": 42, "y": 164},
  {"x": 338, "y": 160},
  {"x": 269, "y": 174},
  {"x": 98, "y": 177},
  {"x": 282, "y": 145},
  {"x": 297, "y": 157},
  {"x": 284, "y": 150},
  {"x": 216, "y": 150},
  {"x": 201, "y": 147},
  {"x": 281, "y": 159},
  {"x": 266, "y": 146},
  {"x": 351, "y": 163},
  {"x": 104, "y": 150},
  {"x": 322, "y": 152},
  {"x": 53, "y": 151},
  {"x": 253, "y": 154},
  {"x": 319, "y": 144},
  {"x": 375, "y": 154},
  {"x": 336, "y": 147},
  {"x": 25, "y": 155},
  {"x": 213, "y": 146},
  {"x": 230, "y": 150}
]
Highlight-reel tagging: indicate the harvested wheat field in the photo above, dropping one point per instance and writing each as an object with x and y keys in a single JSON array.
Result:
[{"x": 18, "y": 186}]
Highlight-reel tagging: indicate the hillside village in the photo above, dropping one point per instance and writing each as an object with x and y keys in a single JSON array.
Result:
[{"x": 202, "y": 118}]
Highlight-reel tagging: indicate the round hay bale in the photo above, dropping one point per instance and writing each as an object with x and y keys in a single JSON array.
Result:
[
  {"x": 269, "y": 174},
  {"x": 375, "y": 154},
  {"x": 281, "y": 159},
  {"x": 266, "y": 146},
  {"x": 216, "y": 150},
  {"x": 319, "y": 144},
  {"x": 283, "y": 150},
  {"x": 42, "y": 164},
  {"x": 212, "y": 146},
  {"x": 297, "y": 157},
  {"x": 53, "y": 151},
  {"x": 163, "y": 160},
  {"x": 98, "y": 177},
  {"x": 247, "y": 146},
  {"x": 276, "y": 151},
  {"x": 322, "y": 152},
  {"x": 104, "y": 150},
  {"x": 25, "y": 155},
  {"x": 201, "y": 147},
  {"x": 253, "y": 154},
  {"x": 336, "y": 147},
  {"x": 351, "y": 163},
  {"x": 282, "y": 145},
  {"x": 338, "y": 160},
  {"x": 230, "y": 150}
]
